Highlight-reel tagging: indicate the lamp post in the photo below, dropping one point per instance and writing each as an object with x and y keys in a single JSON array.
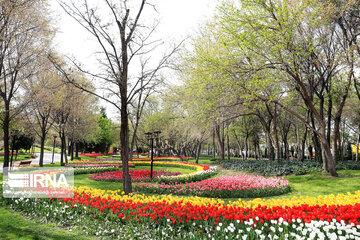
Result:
[
  {"x": 52, "y": 162},
  {"x": 13, "y": 133},
  {"x": 150, "y": 137}
]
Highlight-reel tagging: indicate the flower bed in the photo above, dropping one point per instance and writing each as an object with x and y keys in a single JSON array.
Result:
[
  {"x": 159, "y": 158},
  {"x": 101, "y": 160},
  {"x": 191, "y": 177},
  {"x": 136, "y": 175},
  {"x": 91, "y": 154},
  {"x": 201, "y": 171},
  {"x": 163, "y": 217},
  {"x": 224, "y": 187},
  {"x": 98, "y": 165}
]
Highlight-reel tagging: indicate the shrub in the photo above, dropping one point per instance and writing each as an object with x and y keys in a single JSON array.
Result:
[{"x": 283, "y": 167}]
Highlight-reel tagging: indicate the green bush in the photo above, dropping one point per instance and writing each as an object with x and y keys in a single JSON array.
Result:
[{"x": 283, "y": 167}]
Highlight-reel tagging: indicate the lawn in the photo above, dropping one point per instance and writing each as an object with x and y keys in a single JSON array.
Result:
[
  {"x": 83, "y": 180},
  {"x": 48, "y": 149},
  {"x": 14, "y": 226},
  {"x": 17, "y": 158}
]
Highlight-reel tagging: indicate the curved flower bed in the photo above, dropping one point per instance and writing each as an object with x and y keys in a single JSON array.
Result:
[
  {"x": 200, "y": 171},
  {"x": 136, "y": 175},
  {"x": 159, "y": 158},
  {"x": 191, "y": 177},
  {"x": 224, "y": 187},
  {"x": 101, "y": 160},
  {"x": 91, "y": 154},
  {"x": 98, "y": 165},
  {"x": 117, "y": 216}
]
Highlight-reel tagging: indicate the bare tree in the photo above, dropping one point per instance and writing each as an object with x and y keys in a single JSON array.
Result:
[
  {"x": 122, "y": 38},
  {"x": 38, "y": 112},
  {"x": 24, "y": 34}
]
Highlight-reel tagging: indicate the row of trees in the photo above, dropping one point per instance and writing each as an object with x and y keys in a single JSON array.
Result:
[
  {"x": 34, "y": 94},
  {"x": 279, "y": 60}
]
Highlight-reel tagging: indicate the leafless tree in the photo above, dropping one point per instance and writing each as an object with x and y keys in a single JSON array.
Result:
[
  {"x": 24, "y": 34},
  {"x": 123, "y": 39}
]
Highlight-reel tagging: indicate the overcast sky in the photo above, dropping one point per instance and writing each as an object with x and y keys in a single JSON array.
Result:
[{"x": 178, "y": 20}]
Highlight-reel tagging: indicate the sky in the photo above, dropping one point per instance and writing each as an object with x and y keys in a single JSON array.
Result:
[{"x": 179, "y": 19}]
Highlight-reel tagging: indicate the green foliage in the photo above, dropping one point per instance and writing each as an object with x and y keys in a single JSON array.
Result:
[
  {"x": 283, "y": 167},
  {"x": 104, "y": 134}
]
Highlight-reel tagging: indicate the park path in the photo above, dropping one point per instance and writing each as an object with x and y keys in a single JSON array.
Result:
[{"x": 47, "y": 158}]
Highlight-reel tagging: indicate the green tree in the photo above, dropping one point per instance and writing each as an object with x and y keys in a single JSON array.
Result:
[{"x": 104, "y": 135}]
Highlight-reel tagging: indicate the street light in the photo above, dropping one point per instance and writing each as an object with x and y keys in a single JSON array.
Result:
[
  {"x": 150, "y": 136},
  {"x": 52, "y": 162},
  {"x": 14, "y": 134}
]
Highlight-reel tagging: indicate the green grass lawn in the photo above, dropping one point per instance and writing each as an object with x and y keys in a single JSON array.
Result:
[
  {"x": 48, "y": 149},
  {"x": 14, "y": 226},
  {"x": 83, "y": 180},
  {"x": 323, "y": 184},
  {"x": 18, "y": 158}
]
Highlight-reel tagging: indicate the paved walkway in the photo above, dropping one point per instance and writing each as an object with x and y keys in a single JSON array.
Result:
[{"x": 47, "y": 158}]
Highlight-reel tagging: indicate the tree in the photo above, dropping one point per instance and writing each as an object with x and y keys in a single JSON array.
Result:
[
  {"x": 69, "y": 103},
  {"x": 24, "y": 34},
  {"x": 104, "y": 135},
  {"x": 41, "y": 91},
  {"x": 118, "y": 53},
  {"x": 288, "y": 47}
]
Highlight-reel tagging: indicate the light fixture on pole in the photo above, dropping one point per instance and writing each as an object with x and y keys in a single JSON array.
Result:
[
  {"x": 52, "y": 162},
  {"x": 150, "y": 136}
]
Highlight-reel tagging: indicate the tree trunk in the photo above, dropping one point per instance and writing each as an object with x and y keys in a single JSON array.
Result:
[
  {"x": 246, "y": 146},
  {"x": 63, "y": 146},
  {"x": 124, "y": 140},
  {"x": 42, "y": 146},
  {"x": 5, "y": 125},
  {"x": 76, "y": 149},
  {"x": 72, "y": 150},
  {"x": 317, "y": 144},
  {"x": 286, "y": 148},
  {"x": 276, "y": 138},
  {"x": 228, "y": 144},
  {"x": 238, "y": 143},
  {"x": 357, "y": 149},
  {"x": 213, "y": 144},
  {"x": 328, "y": 158},
  {"x": 301, "y": 155},
  {"x": 220, "y": 143},
  {"x": 133, "y": 138},
  {"x": 328, "y": 136},
  {"x": 336, "y": 140},
  {"x": 61, "y": 149},
  {"x": 198, "y": 150}
]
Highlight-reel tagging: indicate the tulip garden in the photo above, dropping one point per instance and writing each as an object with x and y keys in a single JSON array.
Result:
[{"x": 185, "y": 200}]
